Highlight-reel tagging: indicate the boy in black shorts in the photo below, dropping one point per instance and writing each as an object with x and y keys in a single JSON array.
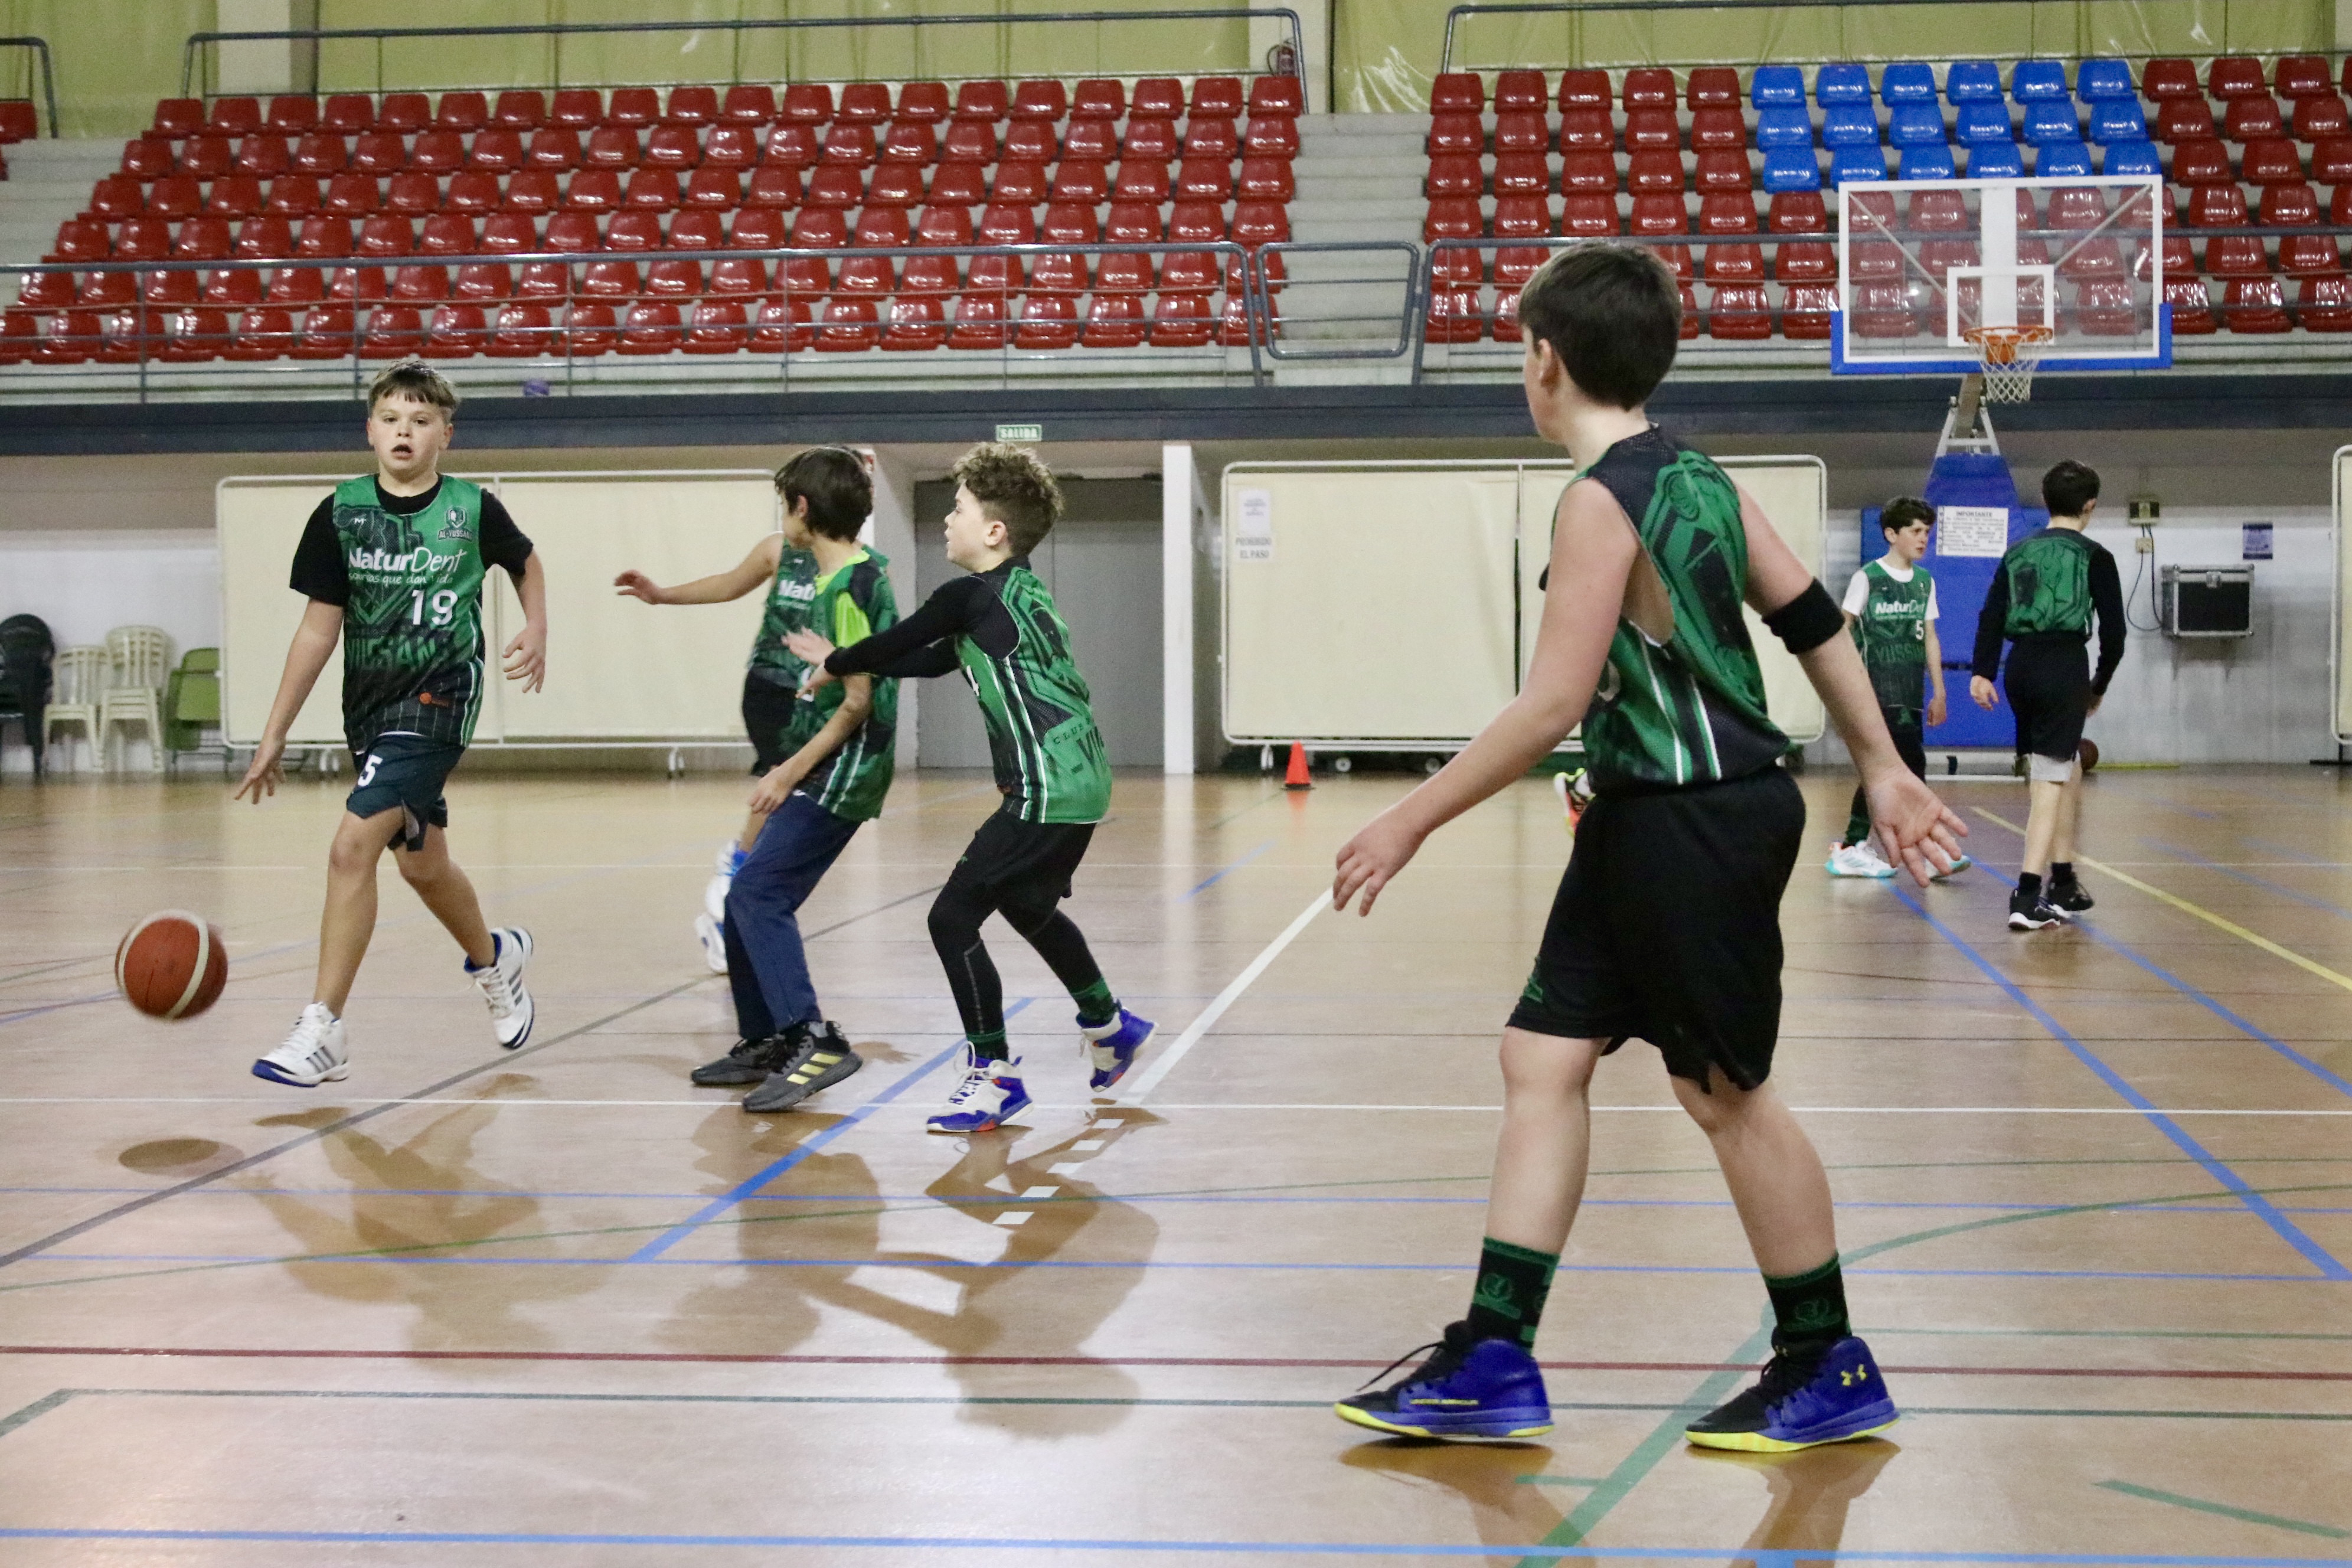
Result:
[
  {"x": 1667, "y": 922},
  {"x": 2043, "y": 595},
  {"x": 999, "y": 628},
  {"x": 393, "y": 564}
]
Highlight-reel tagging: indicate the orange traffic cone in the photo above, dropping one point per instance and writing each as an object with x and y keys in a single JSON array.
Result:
[{"x": 1297, "y": 777}]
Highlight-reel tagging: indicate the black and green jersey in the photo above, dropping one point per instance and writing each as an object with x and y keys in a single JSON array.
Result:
[
  {"x": 1689, "y": 710},
  {"x": 1890, "y": 627},
  {"x": 413, "y": 622},
  {"x": 2049, "y": 579},
  {"x": 790, "y": 596},
  {"x": 852, "y": 603},
  {"x": 1000, "y": 626}
]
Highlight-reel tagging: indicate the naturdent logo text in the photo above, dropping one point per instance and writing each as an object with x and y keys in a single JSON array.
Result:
[{"x": 377, "y": 559}]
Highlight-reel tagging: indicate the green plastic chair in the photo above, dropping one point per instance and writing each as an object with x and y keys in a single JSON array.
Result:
[{"x": 191, "y": 700}]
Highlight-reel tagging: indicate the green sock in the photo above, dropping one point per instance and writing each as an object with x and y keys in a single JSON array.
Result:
[
  {"x": 1512, "y": 1284},
  {"x": 989, "y": 1047},
  {"x": 1808, "y": 1309},
  {"x": 1096, "y": 1005}
]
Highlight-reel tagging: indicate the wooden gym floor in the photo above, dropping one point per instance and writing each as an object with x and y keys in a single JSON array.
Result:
[{"x": 562, "y": 1308}]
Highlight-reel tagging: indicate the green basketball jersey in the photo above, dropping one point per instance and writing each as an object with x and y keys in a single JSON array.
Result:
[
  {"x": 790, "y": 596},
  {"x": 2049, "y": 576},
  {"x": 1892, "y": 633},
  {"x": 413, "y": 625},
  {"x": 1689, "y": 711},
  {"x": 1048, "y": 756},
  {"x": 852, "y": 604}
]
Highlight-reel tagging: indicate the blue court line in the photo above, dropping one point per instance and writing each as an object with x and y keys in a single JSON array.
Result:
[
  {"x": 653, "y": 1249},
  {"x": 2247, "y": 876},
  {"x": 1764, "y": 1557},
  {"x": 1198, "y": 888},
  {"x": 2288, "y": 1231},
  {"x": 2290, "y": 853},
  {"x": 2317, "y": 1069}
]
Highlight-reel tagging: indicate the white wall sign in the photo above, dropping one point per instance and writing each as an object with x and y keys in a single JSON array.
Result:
[
  {"x": 1973, "y": 530},
  {"x": 1254, "y": 525}
]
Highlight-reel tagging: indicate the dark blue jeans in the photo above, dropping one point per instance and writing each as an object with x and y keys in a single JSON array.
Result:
[{"x": 766, "y": 966}]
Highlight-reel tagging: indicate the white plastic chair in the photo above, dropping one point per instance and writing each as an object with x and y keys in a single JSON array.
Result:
[
  {"x": 141, "y": 658},
  {"x": 78, "y": 680}
]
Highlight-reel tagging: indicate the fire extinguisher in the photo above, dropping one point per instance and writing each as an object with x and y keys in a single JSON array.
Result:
[{"x": 1282, "y": 60}]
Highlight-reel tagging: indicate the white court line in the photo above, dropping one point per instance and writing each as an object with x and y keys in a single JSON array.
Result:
[
  {"x": 1165, "y": 1063},
  {"x": 1091, "y": 1105}
]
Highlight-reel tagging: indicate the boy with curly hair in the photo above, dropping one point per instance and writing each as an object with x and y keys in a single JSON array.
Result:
[{"x": 999, "y": 628}]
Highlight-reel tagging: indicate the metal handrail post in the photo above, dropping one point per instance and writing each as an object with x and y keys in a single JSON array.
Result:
[{"x": 40, "y": 47}]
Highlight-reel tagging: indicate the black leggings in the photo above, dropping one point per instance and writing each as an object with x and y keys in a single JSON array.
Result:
[{"x": 1021, "y": 870}]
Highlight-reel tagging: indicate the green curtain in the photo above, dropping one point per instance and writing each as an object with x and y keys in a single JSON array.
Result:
[{"x": 112, "y": 61}]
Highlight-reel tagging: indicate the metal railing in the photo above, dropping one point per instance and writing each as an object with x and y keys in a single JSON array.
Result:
[
  {"x": 1268, "y": 275},
  {"x": 39, "y": 49},
  {"x": 144, "y": 332},
  {"x": 2076, "y": 47},
  {"x": 196, "y": 77}
]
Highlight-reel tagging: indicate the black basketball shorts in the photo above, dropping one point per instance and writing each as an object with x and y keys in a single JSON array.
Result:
[
  {"x": 1667, "y": 927},
  {"x": 1015, "y": 865},
  {"x": 2049, "y": 684},
  {"x": 767, "y": 717},
  {"x": 406, "y": 773}
]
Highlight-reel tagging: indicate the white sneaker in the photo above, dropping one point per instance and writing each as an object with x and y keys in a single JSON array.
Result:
[
  {"x": 713, "y": 935},
  {"x": 1858, "y": 860},
  {"x": 989, "y": 1092},
  {"x": 723, "y": 866},
  {"x": 511, "y": 1011},
  {"x": 312, "y": 1054}
]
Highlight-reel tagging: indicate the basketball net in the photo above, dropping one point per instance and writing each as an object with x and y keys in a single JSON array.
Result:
[{"x": 2007, "y": 356}]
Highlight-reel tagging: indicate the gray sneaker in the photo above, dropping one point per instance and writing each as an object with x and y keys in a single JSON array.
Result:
[
  {"x": 823, "y": 1061},
  {"x": 749, "y": 1061}
]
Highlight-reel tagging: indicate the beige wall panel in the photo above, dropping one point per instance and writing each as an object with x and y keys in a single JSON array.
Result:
[
  {"x": 1384, "y": 613},
  {"x": 2343, "y": 656},
  {"x": 260, "y": 521},
  {"x": 618, "y": 669}
]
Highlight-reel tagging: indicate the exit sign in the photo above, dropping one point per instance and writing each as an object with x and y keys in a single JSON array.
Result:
[{"x": 1021, "y": 433}]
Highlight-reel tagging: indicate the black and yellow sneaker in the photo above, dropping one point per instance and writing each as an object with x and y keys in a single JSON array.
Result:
[
  {"x": 1828, "y": 1395},
  {"x": 746, "y": 1061},
  {"x": 821, "y": 1059}
]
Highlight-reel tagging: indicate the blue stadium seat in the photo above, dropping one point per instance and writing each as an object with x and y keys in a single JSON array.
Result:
[
  {"x": 1916, "y": 125},
  {"x": 1927, "y": 162},
  {"x": 2035, "y": 80},
  {"x": 2134, "y": 158},
  {"x": 1792, "y": 168},
  {"x": 2117, "y": 119},
  {"x": 1906, "y": 81},
  {"x": 1782, "y": 126},
  {"x": 2103, "y": 81},
  {"x": 1974, "y": 81},
  {"x": 1854, "y": 164},
  {"x": 2050, "y": 120},
  {"x": 1996, "y": 161},
  {"x": 2061, "y": 161},
  {"x": 1982, "y": 124},
  {"x": 1777, "y": 87},
  {"x": 1849, "y": 125},
  {"x": 1841, "y": 82}
]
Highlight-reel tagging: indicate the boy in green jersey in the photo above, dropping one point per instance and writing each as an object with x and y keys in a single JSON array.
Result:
[
  {"x": 2045, "y": 593},
  {"x": 999, "y": 628},
  {"x": 771, "y": 679},
  {"x": 394, "y": 565},
  {"x": 1667, "y": 922},
  {"x": 1891, "y": 607},
  {"x": 833, "y": 755}
]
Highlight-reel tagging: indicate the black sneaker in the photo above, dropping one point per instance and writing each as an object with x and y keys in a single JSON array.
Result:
[
  {"x": 750, "y": 1061},
  {"x": 2068, "y": 898},
  {"x": 823, "y": 1061},
  {"x": 2031, "y": 912}
]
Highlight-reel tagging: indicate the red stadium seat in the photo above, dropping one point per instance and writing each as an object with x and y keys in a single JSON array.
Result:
[
  {"x": 896, "y": 185},
  {"x": 1718, "y": 129},
  {"x": 2319, "y": 117},
  {"x": 1724, "y": 170},
  {"x": 612, "y": 147},
  {"x": 752, "y": 104},
  {"x": 1214, "y": 136},
  {"x": 634, "y": 230},
  {"x": 731, "y": 147},
  {"x": 520, "y": 110},
  {"x": 1096, "y": 139},
  {"x": 986, "y": 102},
  {"x": 292, "y": 114},
  {"x": 693, "y": 104},
  {"x": 2252, "y": 119},
  {"x": 2256, "y": 305},
  {"x": 592, "y": 190},
  {"x": 1586, "y": 130},
  {"x": 405, "y": 113},
  {"x": 1157, "y": 98},
  {"x": 1655, "y": 170},
  {"x": 1652, "y": 129},
  {"x": 1713, "y": 87},
  {"x": 2164, "y": 80},
  {"x": 757, "y": 228},
  {"x": 1515, "y": 175},
  {"x": 412, "y": 192},
  {"x": 1515, "y": 132},
  {"x": 1457, "y": 93},
  {"x": 522, "y": 330},
  {"x": 911, "y": 142},
  {"x": 1150, "y": 138},
  {"x": 178, "y": 117},
  {"x": 1085, "y": 179},
  {"x": 464, "y": 111},
  {"x": 923, "y": 103},
  {"x": 2325, "y": 304},
  {"x": 653, "y": 190},
  {"x": 473, "y": 191},
  {"x": 959, "y": 185},
  {"x": 262, "y": 155},
  {"x": 1027, "y": 183},
  {"x": 447, "y": 233},
  {"x": 2180, "y": 119},
  {"x": 1098, "y": 97},
  {"x": 234, "y": 197},
  {"x": 634, "y": 107},
  {"x": 1200, "y": 179},
  {"x": 791, "y": 146},
  {"x": 2202, "y": 162},
  {"x": 206, "y": 157},
  {"x": 1142, "y": 179},
  {"x": 806, "y": 103},
  {"x": 479, "y": 280},
  {"x": 1046, "y": 100},
  {"x": 237, "y": 116},
  {"x": 379, "y": 152},
  {"x": 850, "y": 143},
  {"x": 554, "y": 148},
  {"x": 2234, "y": 76},
  {"x": 672, "y": 146}
]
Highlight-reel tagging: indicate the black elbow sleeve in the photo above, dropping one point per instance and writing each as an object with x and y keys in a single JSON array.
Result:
[{"x": 1807, "y": 621}]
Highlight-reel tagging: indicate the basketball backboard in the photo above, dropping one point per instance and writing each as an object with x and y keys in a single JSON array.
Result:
[{"x": 2073, "y": 265}]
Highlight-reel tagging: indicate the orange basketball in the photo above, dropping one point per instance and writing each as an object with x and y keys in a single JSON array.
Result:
[
  {"x": 2088, "y": 752},
  {"x": 172, "y": 964}
]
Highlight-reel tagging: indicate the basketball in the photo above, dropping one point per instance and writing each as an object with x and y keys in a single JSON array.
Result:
[
  {"x": 2088, "y": 752},
  {"x": 172, "y": 964}
]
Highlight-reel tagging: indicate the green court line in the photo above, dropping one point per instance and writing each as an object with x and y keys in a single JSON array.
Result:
[
  {"x": 2244, "y": 1515},
  {"x": 1559, "y": 1480}
]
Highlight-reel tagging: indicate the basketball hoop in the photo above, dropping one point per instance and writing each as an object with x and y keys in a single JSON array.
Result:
[{"x": 2007, "y": 356}]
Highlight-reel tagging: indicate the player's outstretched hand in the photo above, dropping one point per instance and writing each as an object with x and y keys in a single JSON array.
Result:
[
  {"x": 1983, "y": 692},
  {"x": 635, "y": 584},
  {"x": 1371, "y": 859},
  {"x": 526, "y": 657},
  {"x": 267, "y": 772},
  {"x": 1916, "y": 829},
  {"x": 812, "y": 650}
]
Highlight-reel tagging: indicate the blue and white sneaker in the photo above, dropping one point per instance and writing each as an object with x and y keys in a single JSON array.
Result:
[
  {"x": 1469, "y": 1388},
  {"x": 712, "y": 934},
  {"x": 500, "y": 980},
  {"x": 1858, "y": 860},
  {"x": 1111, "y": 1046},
  {"x": 1800, "y": 1401},
  {"x": 723, "y": 866},
  {"x": 989, "y": 1094}
]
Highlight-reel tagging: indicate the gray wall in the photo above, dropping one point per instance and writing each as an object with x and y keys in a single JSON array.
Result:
[{"x": 1102, "y": 565}]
